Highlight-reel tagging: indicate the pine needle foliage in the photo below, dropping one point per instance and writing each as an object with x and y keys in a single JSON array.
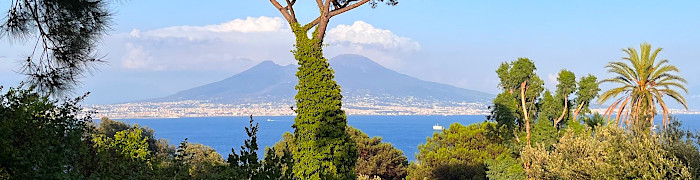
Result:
[{"x": 64, "y": 34}]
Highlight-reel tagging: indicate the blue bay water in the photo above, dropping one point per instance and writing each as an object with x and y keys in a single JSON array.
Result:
[{"x": 224, "y": 133}]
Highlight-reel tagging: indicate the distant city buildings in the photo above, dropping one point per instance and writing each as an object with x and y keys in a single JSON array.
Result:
[{"x": 354, "y": 105}]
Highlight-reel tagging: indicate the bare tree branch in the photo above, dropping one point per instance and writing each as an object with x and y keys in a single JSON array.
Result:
[
  {"x": 334, "y": 13},
  {"x": 290, "y": 7},
  {"x": 312, "y": 23},
  {"x": 323, "y": 24},
  {"x": 284, "y": 11},
  {"x": 320, "y": 4},
  {"x": 347, "y": 7}
]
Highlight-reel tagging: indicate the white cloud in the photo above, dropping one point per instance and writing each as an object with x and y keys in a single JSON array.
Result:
[
  {"x": 552, "y": 78},
  {"x": 241, "y": 43},
  {"x": 380, "y": 45},
  {"x": 135, "y": 33},
  {"x": 223, "y": 31},
  {"x": 361, "y": 34},
  {"x": 137, "y": 58},
  {"x": 230, "y": 46},
  {"x": 251, "y": 24}
]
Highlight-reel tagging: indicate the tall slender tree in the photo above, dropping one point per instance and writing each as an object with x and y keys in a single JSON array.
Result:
[
  {"x": 518, "y": 78},
  {"x": 643, "y": 83},
  {"x": 566, "y": 86},
  {"x": 587, "y": 90},
  {"x": 323, "y": 149},
  {"x": 520, "y": 75}
]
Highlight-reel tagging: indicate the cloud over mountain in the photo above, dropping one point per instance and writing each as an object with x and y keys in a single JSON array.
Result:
[
  {"x": 239, "y": 44},
  {"x": 361, "y": 34}
]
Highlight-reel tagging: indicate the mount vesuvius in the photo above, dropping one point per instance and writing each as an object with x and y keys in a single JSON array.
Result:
[{"x": 360, "y": 78}]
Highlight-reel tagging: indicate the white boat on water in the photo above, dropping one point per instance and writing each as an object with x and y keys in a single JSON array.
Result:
[{"x": 437, "y": 127}]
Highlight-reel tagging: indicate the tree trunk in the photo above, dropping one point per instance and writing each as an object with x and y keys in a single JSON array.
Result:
[
  {"x": 325, "y": 17},
  {"x": 527, "y": 118},
  {"x": 563, "y": 112},
  {"x": 578, "y": 109},
  {"x": 526, "y": 166}
]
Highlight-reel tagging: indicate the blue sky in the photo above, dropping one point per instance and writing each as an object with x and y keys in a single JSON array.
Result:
[{"x": 159, "y": 47}]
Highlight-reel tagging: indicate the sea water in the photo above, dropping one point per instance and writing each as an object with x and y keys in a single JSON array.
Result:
[{"x": 225, "y": 133}]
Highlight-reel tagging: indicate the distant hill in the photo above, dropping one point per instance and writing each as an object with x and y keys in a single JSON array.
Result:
[
  {"x": 358, "y": 76},
  {"x": 265, "y": 82}
]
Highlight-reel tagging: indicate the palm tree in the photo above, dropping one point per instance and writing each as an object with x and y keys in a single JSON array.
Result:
[
  {"x": 594, "y": 121},
  {"x": 643, "y": 84}
]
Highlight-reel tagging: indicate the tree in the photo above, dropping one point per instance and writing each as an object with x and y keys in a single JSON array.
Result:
[
  {"x": 519, "y": 75},
  {"x": 566, "y": 86},
  {"x": 504, "y": 111},
  {"x": 203, "y": 163},
  {"x": 162, "y": 155},
  {"x": 587, "y": 90},
  {"x": 247, "y": 166},
  {"x": 66, "y": 32},
  {"x": 505, "y": 167},
  {"x": 458, "y": 152},
  {"x": 124, "y": 155},
  {"x": 194, "y": 161},
  {"x": 181, "y": 161},
  {"x": 643, "y": 83},
  {"x": 549, "y": 107},
  {"x": 323, "y": 149},
  {"x": 544, "y": 133},
  {"x": 595, "y": 121},
  {"x": 376, "y": 158},
  {"x": 109, "y": 128},
  {"x": 42, "y": 138}
]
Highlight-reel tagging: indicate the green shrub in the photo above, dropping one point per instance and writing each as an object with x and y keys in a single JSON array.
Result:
[
  {"x": 682, "y": 145},
  {"x": 376, "y": 159},
  {"x": 42, "y": 138},
  {"x": 611, "y": 154},
  {"x": 459, "y": 152}
]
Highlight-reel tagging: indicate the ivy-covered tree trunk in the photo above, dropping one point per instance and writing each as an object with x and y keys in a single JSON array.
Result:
[{"x": 323, "y": 149}]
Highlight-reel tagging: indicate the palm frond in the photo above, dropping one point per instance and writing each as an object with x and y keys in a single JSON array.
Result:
[
  {"x": 656, "y": 52},
  {"x": 676, "y": 96},
  {"x": 611, "y": 93},
  {"x": 671, "y": 77},
  {"x": 643, "y": 83}
]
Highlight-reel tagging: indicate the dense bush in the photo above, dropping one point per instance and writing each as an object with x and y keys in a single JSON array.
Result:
[
  {"x": 505, "y": 167},
  {"x": 611, "y": 154},
  {"x": 42, "y": 138},
  {"x": 683, "y": 145},
  {"x": 458, "y": 152},
  {"x": 376, "y": 159},
  {"x": 49, "y": 139},
  {"x": 124, "y": 155},
  {"x": 160, "y": 149}
]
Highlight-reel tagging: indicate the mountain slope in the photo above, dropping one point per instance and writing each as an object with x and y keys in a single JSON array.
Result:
[
  {"x": 358, "y": 76},
  {"x": 266, "y": 81}
]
